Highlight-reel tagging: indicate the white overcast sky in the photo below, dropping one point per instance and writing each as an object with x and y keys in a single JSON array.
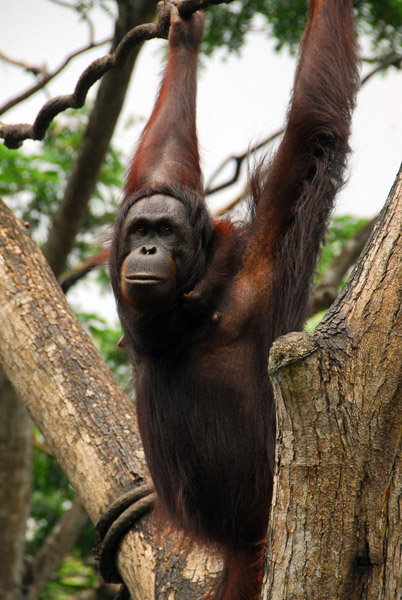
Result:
[{"x": 241, "y": 99}]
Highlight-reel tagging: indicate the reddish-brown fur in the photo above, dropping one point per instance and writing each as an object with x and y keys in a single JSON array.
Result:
[{"x": 204, "y": 400}]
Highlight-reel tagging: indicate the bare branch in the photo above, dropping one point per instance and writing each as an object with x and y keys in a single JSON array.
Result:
[
  {"x": 13, "y": 135},
  {"x": 40, "y": 446},
  {"x": 97, "y": 260},
  {"x": 84, "y": 15},
  {"x": 187, "y": 7},
  {"x": 238, "y": 159},
  {"x": 393, "y": 59},
  {"x": 230, "y": 205},
  {"x": 64, "y": 4},
  {"x": 34, "y": 69},
  {"x": 46, "y": 77}
]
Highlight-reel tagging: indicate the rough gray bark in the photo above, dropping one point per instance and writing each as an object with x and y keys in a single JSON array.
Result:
[
  {"x": 15, "y": 487},
  {"x": 71, "y": 210},
  {"x": 335, "y": 528}
]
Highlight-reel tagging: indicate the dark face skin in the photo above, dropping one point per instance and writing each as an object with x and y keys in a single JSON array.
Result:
[{"x": 158, "y": 248}]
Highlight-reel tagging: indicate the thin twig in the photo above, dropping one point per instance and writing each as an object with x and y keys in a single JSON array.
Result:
[
  {"x": 393, "y": 59},
  {"x": 46, "y": 77},
  {"x": 187, "y": 7},
  {"x": 34, "y": 69},
  {"x": 231, "y": 204},
  {"x": 238, "y": 159},
  {"x": 63, "y": 4}
]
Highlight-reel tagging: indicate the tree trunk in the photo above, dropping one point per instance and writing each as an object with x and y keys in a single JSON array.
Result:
[
  {"x": 335, "y": 528},
  {"x": 15, "y": 487}
]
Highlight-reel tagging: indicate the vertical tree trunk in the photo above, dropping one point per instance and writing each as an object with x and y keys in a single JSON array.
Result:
[
  {"x": 335, "y": 528},
  {"x": 15, "y": 488}
]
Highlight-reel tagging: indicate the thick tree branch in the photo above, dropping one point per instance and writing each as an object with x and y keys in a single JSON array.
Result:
[
  {"x": 61, "y": 350},
  {"x": 84, "y": 417},
  {"x": 88, "y": 161}
]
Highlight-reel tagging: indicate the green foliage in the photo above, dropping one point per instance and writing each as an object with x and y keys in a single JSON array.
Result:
[
  {"x": 84, "y": 7},
  {"x": 51, "y": 497},
  {"x": 227, "y": 25},
  {"x": 72, "y": 576},
  {"x": 313, "y": 321},
  {"x": 340, "y": 230},
  {"x": 382, "y": 20}
]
